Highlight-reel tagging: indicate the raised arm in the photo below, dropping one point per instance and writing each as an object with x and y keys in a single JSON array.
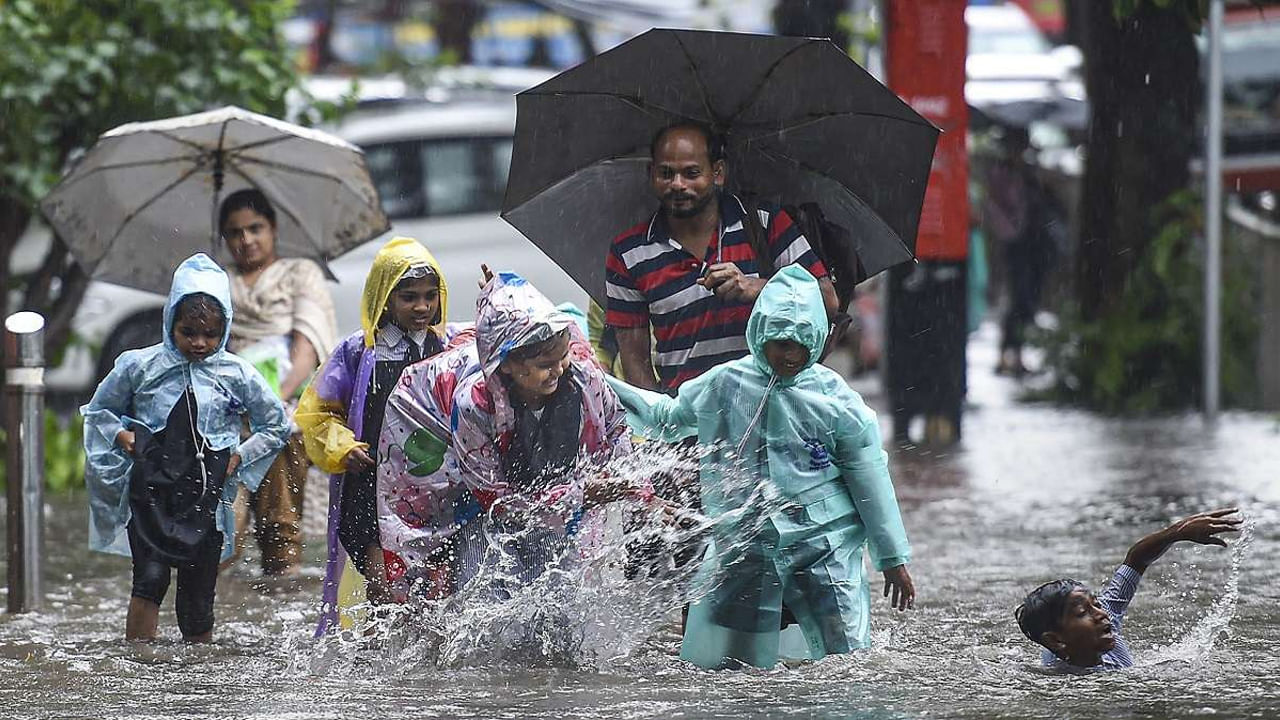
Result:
[
  {"x": 659, "y": 416},
  {"x": 1201, "y": 529}
]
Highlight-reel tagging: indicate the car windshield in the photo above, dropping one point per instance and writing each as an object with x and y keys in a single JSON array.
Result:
[
  {"x": 1009, "y": 41},
  {"x": 440, "y": 176}
]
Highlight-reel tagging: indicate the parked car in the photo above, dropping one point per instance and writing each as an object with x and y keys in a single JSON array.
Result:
[
  {"x": 1009, "y": 59},
  {"x": 441, "y": 170}
]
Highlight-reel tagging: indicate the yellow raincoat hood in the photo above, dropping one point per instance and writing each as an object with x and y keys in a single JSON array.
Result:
[{"x": 391, "y": 262}]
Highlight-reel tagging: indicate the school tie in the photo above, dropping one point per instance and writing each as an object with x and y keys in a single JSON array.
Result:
[{"x": 414, "y": 353}]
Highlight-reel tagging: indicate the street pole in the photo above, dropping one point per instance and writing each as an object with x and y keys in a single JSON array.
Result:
[
  {"x": 24, "y": 457},
  {"x": 1213, "y": 216}
]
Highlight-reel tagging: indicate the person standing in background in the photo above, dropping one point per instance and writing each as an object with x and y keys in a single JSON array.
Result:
[{"x": 285, "y": 326}]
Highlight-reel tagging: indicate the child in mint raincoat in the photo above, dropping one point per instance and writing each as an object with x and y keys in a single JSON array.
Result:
[
  {"x": 186, "y": 398},
  {"x": 779, "y": 416}
]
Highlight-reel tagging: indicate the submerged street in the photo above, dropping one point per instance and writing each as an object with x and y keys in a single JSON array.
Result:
[{"x": 1032, "y": 493}]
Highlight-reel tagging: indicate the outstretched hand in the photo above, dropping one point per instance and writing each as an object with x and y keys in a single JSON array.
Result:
[
  {"x": 485, "y": 276},
  {"x": 904, "y": 590},
  {"x": 1201, "y": 528},
  {"x": 1204, "y": 528}
]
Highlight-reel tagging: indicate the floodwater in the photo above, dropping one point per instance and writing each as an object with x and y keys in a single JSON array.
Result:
[{"x": 1032, "y": 493}]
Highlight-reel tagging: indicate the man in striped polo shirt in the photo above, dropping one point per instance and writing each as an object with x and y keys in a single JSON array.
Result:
[{"x": 690, "y": 272}]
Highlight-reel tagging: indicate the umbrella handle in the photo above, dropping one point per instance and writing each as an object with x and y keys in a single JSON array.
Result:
[{"x": 218, "y": 172}]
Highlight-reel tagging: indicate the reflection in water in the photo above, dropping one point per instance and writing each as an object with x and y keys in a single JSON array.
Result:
[{"x": 1034, "y": 493}]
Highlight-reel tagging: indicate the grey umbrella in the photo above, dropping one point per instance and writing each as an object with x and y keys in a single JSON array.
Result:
[
  {"x": 802, "y": 123},
  {"x": 146, "y": 195}
]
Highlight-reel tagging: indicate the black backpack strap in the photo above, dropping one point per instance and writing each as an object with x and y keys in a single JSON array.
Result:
[{"x": 756, "y": 234}]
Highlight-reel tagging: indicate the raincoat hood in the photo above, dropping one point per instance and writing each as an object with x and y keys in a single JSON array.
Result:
[
  {"x": 389, "y": 265},
  {"x": 790, "y": 307},
  {"x": 511, "y": 313},
  {"x": 198, "y": 274}
]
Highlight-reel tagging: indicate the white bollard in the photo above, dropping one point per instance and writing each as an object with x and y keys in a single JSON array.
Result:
[{"x": 24, "y": 458}]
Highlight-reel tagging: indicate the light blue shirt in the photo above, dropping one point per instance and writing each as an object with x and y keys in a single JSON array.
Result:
[{"x": 1115, "y": 600}]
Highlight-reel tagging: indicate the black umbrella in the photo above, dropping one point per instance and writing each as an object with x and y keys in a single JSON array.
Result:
[
  {"x": 802, "y": 123},
  {"x": 1066, "y": 113}
]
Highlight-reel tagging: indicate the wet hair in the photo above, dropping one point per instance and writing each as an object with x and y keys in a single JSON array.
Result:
[
  {"x": 533, "y": 350},
  {"x": 248, "y": 199},
  {"x": 198, "y": 306},
  {"x": 715, "y": 142},
  {"x": 1041, "y": 611}
]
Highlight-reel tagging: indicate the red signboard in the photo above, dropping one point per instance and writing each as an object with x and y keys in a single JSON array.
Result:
[{"x": 926, "y": 50}]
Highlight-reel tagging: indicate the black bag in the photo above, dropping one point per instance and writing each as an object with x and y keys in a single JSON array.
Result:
[
  {"x": 173, "y": 507},
  {"x": 830, "y": 242}
]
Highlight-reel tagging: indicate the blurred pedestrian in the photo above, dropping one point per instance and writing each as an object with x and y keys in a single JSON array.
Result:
[
  {"x": 1021, "y": 217},
  {"x": 285, "y": 326},
  {"x": 165, "y": 454}
]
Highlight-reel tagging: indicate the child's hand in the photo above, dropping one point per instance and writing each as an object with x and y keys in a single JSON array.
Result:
[
  {"x": 124, "y": 439},
  {"x": 485, "y": 276},
  {"x": 603, "y": 491},
  {"x": 233, "y": 464},
  {"x": 358, "y": 460},
  {"x": 1204, "y": 528},
  {"x": 904, "y": 591}
]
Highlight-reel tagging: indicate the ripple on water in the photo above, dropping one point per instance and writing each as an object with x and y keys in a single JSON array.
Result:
[{"x": 1034, "y": 493}]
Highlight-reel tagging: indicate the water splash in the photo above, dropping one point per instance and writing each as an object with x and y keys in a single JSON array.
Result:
[
  {"x": 533, "y": 600},
  {"x": 1198, "y": 642}
]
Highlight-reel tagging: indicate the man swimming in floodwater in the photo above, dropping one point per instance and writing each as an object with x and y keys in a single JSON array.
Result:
[{"x": 1080, "y": 630}]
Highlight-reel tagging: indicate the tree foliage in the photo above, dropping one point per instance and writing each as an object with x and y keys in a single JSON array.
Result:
[
  {"x": 1146, "y": 354},
  {"x": 72, "y": 69}
]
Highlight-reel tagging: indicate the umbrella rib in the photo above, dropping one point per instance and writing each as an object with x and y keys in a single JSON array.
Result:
[
  {"x": 274, "y": 165},
  {"x": 182, "y": 141},
  {"x": 632, "y": 100},
  {"x": 809, "y": 168},
  {"x": 819, "y": 117},
  {"x": 764, "y": 79},
  {"x": 138, "y": 211},
  {"x": 266, "y": 141},
  {"x": 706, "y": 97},
  {"x": 75, "y": 179}
]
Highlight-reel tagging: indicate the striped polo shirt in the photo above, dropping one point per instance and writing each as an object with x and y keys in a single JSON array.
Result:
[{"x": 652, "y": 280}]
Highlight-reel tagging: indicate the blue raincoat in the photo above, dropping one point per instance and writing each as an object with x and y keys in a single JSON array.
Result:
[
  {"x": 144, "y": 386},
  {"x": 824, "y": 492}
]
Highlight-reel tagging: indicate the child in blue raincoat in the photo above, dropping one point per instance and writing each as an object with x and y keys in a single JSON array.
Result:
[
  {"x": 164, "y": 454},
  {"x": 797, "y": 537}
]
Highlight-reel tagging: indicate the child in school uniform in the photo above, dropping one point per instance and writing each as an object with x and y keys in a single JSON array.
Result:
[
  {"x": 164, "y": 454},
  {"x": 403, "y": 311},
  {"x": 795, "y": 429}
]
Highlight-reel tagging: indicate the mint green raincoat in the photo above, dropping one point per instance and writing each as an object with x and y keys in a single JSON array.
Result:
[{"x": 825, "y": 492}]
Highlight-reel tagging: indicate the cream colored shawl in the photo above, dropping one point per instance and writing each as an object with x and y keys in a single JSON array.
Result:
[{"x": 290, "y": 295}]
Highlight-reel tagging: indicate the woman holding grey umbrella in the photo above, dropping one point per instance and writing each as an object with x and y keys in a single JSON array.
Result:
[{"x": 285, "y": 326}]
